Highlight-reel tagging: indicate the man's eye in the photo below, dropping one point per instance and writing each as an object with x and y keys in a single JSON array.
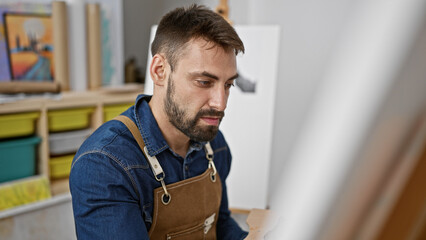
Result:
[
  {"x": 203, "y": 83},
  {"x": 229, "y": 85}
]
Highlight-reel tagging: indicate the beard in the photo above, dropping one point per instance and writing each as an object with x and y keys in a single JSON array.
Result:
[{"x": 180, "y": 118}]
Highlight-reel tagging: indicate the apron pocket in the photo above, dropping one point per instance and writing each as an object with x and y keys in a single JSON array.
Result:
[{"x": 196, "y": 233}]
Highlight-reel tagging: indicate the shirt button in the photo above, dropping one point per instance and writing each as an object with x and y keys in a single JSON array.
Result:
[{"x": 186, "y": 168}]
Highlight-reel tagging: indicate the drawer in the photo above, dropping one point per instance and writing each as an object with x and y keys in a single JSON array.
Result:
[
  {"x": 67, "y": 142},
  {"x": 18, "y": 158},
  {"x": 17, "y": 125},
  {"x": 111, "y": 111},
  {"x": 60, "y": 166},
  {"x": 69, "y": 119}
]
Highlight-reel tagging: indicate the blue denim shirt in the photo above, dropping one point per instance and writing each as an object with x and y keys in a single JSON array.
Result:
[{"x": 112, "y": 184}]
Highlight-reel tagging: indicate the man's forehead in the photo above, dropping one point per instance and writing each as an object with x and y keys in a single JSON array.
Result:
[
  {"x": 203, "y": 45},
  {"x": 202, "y": 52}
]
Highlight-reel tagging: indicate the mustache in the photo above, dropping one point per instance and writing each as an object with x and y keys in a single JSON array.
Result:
[{"x": 210, "y": 112}]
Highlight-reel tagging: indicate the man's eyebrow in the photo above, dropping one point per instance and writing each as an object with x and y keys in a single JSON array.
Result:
[
  {"x": 210, "y": 75},
  {"x": 234, "y": 77},
  {"x": 205, "y": 74}
]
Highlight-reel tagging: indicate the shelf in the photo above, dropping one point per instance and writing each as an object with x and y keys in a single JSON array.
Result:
[
  {"x": 73, "y": 99},
  {"x": 59, "y": 186},
  {"x": 55, "y": 200},
  {"x": 97, "y": 99},
  {"x": 27, "y": 105}
]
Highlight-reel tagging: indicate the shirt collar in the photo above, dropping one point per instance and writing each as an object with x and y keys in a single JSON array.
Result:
[{"x": 150, "y": 131}]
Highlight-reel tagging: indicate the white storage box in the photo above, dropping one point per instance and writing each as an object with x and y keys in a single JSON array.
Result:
[{"x": 67, "y": 142}]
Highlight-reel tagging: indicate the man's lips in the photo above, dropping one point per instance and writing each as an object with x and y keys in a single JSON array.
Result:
[{"x": 211, "y": 120}]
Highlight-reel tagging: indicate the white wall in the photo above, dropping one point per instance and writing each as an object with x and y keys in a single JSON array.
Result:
[{"x": 309, "y": 30}]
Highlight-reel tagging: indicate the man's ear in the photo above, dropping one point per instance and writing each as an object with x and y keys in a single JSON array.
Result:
[{"x": 158, "y": 69}]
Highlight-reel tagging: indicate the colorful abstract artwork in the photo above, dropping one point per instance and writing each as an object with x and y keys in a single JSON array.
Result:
[
  {"x": 29, "y": 44},
  {"x": 17, "y": 7}
]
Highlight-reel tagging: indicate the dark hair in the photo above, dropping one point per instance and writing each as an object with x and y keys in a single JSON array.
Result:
[{"x": 181, "y": 25}]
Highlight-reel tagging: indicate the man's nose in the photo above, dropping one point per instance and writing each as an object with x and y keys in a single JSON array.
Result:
[{"x": 218, "y": 99}]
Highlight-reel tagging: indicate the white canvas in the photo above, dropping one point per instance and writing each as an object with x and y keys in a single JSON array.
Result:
[{"x": 248, "y": 121}]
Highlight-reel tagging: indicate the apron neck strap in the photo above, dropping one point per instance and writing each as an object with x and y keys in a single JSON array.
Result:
[
  {"x": 155, "y": 165},
  {"x": 156, "y": 168},
  {"x": 133, "y": 129}
]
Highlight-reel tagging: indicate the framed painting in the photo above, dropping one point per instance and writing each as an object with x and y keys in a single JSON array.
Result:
[
  {"x": 29, "y": 43},
  {"x": 16, "y": 7},
  {"x": 28, "y": 50}
]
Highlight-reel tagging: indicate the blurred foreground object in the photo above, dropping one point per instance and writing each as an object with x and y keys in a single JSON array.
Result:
[{"x": 357, "y": 130}]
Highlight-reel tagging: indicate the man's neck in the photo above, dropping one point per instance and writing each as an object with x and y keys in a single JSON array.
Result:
[{"x": 176, "y": 140}]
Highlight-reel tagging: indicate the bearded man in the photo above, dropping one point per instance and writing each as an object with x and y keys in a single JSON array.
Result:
[{"x": 158, "y": 170}]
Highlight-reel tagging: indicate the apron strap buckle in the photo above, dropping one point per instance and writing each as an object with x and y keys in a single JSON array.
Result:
[
  {"x": 209, "y": 151},
  {"x": 159, "y": 175},
  {"x": 209, "y": 156}
]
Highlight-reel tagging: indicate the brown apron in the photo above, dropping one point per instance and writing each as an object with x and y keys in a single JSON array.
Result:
[{"x": 188, "y": 209}]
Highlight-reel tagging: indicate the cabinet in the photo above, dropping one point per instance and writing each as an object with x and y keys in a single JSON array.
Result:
[{"x": 97, "y": 101}]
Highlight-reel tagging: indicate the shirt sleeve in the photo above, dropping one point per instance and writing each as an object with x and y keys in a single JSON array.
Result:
[
  {"x": 105, "y": 204},
  {"x": 227, "y": 228}
]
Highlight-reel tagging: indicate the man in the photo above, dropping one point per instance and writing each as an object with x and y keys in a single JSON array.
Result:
[{"x": 159, "y": 170}]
